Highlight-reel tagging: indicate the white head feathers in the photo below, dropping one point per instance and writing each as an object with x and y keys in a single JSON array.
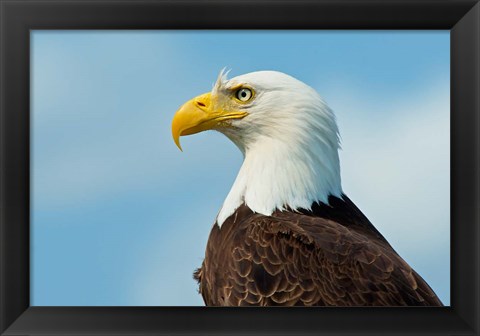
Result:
[{"x": 290, "y": 144}]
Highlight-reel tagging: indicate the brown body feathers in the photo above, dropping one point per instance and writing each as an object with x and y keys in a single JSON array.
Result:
[{"x": 329, "y": 256}]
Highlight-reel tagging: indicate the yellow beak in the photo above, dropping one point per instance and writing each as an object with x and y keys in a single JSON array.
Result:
[{"x": 200, "y": 114}]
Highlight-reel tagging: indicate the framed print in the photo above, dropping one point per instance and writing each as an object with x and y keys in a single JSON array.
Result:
[{"x": 104, "y": 220}]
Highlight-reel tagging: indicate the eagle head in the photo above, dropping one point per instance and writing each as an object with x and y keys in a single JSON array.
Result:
[{"x": 287, "y": 134}]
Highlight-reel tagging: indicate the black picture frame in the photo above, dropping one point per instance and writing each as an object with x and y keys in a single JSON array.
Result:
[{"x": 18, "y": 17}]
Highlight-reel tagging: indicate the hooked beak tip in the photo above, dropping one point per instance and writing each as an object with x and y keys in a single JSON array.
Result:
[{"x": 176, "y": 138}]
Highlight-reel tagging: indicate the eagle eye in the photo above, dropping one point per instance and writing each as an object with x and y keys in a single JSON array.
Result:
[{"x": 244, "y": 94}]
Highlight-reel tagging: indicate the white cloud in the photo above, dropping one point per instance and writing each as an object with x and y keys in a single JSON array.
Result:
[{"x": 396, "y": 169}]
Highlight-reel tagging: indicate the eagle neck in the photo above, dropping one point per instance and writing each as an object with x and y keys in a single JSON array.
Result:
[{"x": 276, "y": 175}]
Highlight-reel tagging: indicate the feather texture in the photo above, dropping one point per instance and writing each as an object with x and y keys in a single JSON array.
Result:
[{"x": 327, "y": 256}]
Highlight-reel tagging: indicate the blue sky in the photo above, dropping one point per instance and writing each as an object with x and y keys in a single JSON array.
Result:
[{"x": 121, "y": 217}]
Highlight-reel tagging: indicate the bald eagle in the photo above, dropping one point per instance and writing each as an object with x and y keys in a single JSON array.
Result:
[{"x": 286, "y": 234}]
